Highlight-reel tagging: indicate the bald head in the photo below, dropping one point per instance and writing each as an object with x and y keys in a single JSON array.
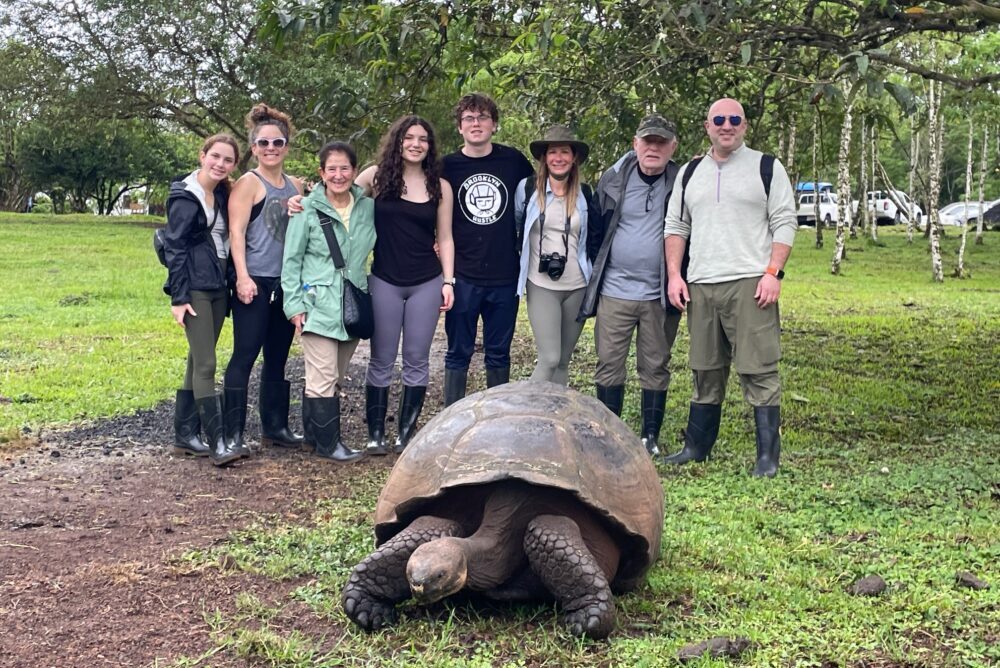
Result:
[{"x": 726, "y": 124}]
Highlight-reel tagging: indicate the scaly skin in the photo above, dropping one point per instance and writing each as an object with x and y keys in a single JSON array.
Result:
[
  {"x": 558, "y": 554},
  {"x": 379, "y": 581}
]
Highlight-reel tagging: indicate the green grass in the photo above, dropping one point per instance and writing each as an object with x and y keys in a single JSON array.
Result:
[
  {"x": 891, "y": 435},
  {"x": 85, "y": 329}
]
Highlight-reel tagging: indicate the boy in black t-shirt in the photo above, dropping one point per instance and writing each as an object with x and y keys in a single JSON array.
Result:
[{"x": 483, "y": 176}]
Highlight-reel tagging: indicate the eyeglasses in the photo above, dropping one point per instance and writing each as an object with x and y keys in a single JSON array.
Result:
[
  {"x": 719, "y": 121},
  {"x": 649, "y": 198},
  {"x": 469, "y": 119},
  {"x": 278, "y": 142}
]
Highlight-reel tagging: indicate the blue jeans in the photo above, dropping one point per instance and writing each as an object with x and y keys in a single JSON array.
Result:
[{"x": 497, "y": 304}]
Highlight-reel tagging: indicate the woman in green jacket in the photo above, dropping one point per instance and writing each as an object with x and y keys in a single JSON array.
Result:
[{"x": 313, "y": 290}]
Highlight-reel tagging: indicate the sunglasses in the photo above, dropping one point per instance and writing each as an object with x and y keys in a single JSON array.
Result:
[
  {"x": 279, "y": 142},
  {"x": 719, "y": 121}
]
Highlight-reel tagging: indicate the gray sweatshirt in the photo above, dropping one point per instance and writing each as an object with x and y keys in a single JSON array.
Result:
[{"x": 729, "y": 220}]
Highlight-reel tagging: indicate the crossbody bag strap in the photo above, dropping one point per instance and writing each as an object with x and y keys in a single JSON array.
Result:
[{"x": 326, "y": 224}]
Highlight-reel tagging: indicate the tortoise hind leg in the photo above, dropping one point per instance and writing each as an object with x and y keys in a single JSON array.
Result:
[
  {"x": 379, "y": 581},
  {"x": 558, "y": 554}
]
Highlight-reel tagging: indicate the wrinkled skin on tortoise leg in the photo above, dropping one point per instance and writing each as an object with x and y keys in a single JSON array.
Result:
[
  {"x": 379, "y": 581},
  {"x": 559, "y": 556}
]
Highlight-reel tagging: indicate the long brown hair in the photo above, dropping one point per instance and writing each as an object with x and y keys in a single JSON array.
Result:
[
  {"x": 262, "y": 115},
  {"x": 388, "y": 179},
  {"x": 572, "y": 181},
  {"x": 223, "y": 138}
]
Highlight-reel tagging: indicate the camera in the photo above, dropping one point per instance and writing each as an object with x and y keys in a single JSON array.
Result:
[{"x": 552, "y": 264}]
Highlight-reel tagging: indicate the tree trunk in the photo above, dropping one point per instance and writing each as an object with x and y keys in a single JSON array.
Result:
[
  {"x": 960, "y": 267},
  {"x": 935, "y": 133},
  {"x": 982, "y": 185},
  {"x": 863, "y": 183},
  {"x": 818, "y": 226},
  {"x": 843, "y": 188},
  {"x": 914, "y": 157},
  {"x": 873, "y": 141}
]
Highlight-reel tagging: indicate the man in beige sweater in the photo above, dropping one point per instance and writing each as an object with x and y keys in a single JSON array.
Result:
[{"x": 739, "y": 237}]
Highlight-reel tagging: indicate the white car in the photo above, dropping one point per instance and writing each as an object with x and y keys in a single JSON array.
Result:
[
  {"x": 956, "y": 214},
  {"x": 805, "y": 211},
  {"x": 886, "y": 211}
]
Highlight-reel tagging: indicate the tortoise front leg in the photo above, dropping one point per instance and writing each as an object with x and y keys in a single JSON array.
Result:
[
  {"x": 559, "y": 556},
  {"x": 379, "y": 581}
]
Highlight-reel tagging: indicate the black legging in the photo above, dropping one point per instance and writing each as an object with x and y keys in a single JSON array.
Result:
[{"x": 260, "y": 324}]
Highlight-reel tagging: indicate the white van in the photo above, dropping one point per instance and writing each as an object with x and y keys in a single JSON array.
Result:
[{"x": 885, "y": 209}]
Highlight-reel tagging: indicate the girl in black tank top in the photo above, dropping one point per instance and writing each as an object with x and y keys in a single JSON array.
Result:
[{"x": 412, "y": 280}]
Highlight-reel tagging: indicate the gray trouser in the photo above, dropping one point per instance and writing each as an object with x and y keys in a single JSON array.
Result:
[
  {"x": 202, "y": 332},
  {"x": 655, "y": 333},
  {"x": 552, "y": 314},
  {"x": 410, "y": 312}
]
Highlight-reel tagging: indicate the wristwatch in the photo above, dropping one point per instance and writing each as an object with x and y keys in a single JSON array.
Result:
[
  {"x": 449, "y": 281},
  {"x": 774, "y": 271}
]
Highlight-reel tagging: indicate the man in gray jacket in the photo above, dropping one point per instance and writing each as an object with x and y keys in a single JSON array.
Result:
[
  {"x": 627, "y": 289},
  {"x": 739, "y": 231}
]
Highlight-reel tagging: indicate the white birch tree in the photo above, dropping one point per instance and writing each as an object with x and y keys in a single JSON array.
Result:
[
  {"x": 960, "y": 267},
  {"x": 982, "y": 186},
  {"x": 873, "y": 219},
  {"x": 864, "y": 185},
  {"x": 818, "y": 226},
  {"x": 843, "y": 187},
  {"x": 914, "y": 161},
  {"x": 936, "y": 139}
]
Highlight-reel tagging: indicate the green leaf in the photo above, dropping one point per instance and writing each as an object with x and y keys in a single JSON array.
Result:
[
  {"x": 903, "y": 96},
  {"x": 746, "y": 51},
  {"x": 862, "y": 62}
]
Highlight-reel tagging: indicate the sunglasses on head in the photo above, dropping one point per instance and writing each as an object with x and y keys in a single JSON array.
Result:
[
  {"x": 278, "y": 142},
  {"x": 719, "y": 121}
]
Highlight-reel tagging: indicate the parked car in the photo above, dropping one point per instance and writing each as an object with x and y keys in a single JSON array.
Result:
[
  {"x": 810, "y": 186},
  {"x": 805, "y": 210},
  {"x": 885, "y": 209},
  {"x": 956, "y": 214}
]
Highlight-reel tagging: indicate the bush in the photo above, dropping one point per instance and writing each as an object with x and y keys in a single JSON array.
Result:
[{"x": 42, "y": 204}]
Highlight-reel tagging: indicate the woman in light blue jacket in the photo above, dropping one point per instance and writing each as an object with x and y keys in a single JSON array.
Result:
[
  {"x": 313, "y": 290},
  {"x": 551, "y": 210}
]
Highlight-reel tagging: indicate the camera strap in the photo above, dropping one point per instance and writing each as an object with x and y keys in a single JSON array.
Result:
[{"x": 541, "y": 230}]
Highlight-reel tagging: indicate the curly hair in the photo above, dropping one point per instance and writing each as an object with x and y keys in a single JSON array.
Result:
[
  {"x": 388, "y": 180},
  {"x": 262, "y": 115},
  {"x": 480, "y": 102}
]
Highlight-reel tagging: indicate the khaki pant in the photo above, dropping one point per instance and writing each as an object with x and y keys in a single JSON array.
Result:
[
  {"x": 729, "y": 329},
  {"x": 326, "y": 363},
  {"x": 655, "y": 333}
]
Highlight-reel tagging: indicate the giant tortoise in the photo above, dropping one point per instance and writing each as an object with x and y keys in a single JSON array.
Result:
[{"x": 525, "y": 491}]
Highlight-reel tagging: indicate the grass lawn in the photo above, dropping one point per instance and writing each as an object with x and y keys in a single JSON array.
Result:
[{"x": 891, "y": 435}]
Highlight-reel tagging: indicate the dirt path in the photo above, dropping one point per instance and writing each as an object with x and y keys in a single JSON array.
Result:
[{"x": 92, "y": 520}]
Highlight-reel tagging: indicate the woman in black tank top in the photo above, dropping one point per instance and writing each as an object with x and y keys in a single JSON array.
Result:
[{"x": 412, "y": 280}]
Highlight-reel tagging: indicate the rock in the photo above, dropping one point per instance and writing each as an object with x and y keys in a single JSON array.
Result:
[
  {"x": 54, "y": 453},
  {"x": 717, "y": 648},
  {"x": 871, "y": 585},
  {"x": 966, "y": 579}
]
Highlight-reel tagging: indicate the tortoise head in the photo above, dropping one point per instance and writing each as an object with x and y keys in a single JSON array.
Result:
[{"x": 437, "y": 569}]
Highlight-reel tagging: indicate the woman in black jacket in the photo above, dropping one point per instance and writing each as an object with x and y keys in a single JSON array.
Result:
[{"x": 196, "y": 246}]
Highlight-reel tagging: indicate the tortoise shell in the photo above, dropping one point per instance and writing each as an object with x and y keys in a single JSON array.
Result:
[{"x": 539, "y": 433}]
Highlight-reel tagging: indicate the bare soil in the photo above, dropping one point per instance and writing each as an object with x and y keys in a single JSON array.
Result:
[{"x": 93, "y": 518}]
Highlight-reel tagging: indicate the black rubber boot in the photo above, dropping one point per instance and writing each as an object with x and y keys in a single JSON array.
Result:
[
  {"x": 187, "y": 427},
  {"x": 768, "y": 419},
  {"x": 612, "y": 396},
  {"x": 234, "y": 416},
  {"x": 654, "y": 403},
  {"x": 699, "y": 437},
  {"x": 274, "y": 415},
  {"x": 376, "y": 404},
  {"x": 455, "y": 381},
  {"x": 498, "y": 376},
  {"x": 410, "y": 405},
  {"x": 210, "y": 412},
  {"x": 322, "y": 415}
]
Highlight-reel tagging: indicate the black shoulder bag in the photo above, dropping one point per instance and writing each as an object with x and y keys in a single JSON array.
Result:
[{"x": 356, "y": 311}]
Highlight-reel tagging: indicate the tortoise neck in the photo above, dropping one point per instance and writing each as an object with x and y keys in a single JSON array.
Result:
[{"x": 495, "y": 551}]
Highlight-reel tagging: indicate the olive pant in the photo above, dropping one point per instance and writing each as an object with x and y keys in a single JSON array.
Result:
[
  {"x": 729, "y": 329},
  {"x": 655, "y": 333},
  {"x": 552, "y": 314},
  {"x": 202, "y": 332}
]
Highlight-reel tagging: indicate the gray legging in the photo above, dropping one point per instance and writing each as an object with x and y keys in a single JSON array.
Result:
[
  {"x": 202, "y": 333},
  {"x": 552, "y": 314},
  {"x": 411, "y": 312}
]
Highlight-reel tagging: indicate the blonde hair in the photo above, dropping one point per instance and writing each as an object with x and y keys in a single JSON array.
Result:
[{"x": 572, "y": 182}]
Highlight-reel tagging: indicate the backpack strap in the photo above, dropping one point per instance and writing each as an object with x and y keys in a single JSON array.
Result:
[
  {"x": 688, "y": 173},
  {"x": 766, "y": 172}
]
